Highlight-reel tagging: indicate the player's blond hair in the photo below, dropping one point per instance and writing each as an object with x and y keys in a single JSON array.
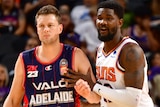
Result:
[{"x": 49, "y": 9}]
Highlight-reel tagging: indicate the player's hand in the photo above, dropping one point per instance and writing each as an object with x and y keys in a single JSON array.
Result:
[
  {"x": 72, "y": 77},
  {"x": 82, "y": 88}
]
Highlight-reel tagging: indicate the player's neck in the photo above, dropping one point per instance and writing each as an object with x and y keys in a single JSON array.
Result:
[
  {"x": 110, "y": 45},
  {"x": 49, "y": 53}
]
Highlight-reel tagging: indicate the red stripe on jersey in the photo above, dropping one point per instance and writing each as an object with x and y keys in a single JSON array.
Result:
[{"x": 25, "y": 101}]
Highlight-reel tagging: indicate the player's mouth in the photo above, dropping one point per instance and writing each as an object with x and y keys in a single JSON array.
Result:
[{"x": 103, "y": 30}]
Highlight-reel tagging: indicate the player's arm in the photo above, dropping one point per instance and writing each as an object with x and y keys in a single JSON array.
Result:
[
  {"x": 17, "y": 90},
  {"x": 132, "y": 60},
  {"x": 83, "y": 66}
]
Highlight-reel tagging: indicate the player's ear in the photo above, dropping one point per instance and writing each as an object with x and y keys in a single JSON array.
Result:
[
  {"x": 120, "y": 22},
  {"x": 60, "y": 28}
]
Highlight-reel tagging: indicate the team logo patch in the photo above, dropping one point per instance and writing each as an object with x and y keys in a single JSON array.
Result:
[
  {"x": 32, "y": 71},
  {"x": 63, "y": 64}
]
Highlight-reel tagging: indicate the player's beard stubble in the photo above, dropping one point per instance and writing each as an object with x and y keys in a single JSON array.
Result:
[{"x": 109, "y": 36}]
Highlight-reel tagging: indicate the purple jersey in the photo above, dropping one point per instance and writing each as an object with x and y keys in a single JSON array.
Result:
[{"x": 44, "y": 86}]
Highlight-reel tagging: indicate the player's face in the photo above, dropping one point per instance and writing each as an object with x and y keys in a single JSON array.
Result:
[
  {"x": 2, "y": 74},
  {"x": 107, "y": 24},
  {"x": 48, "y": 28}
]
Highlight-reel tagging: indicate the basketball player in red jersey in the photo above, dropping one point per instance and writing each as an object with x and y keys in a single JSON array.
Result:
[
  {"x": 120, "y": 65},
  {"x": 37, "y": 79}
]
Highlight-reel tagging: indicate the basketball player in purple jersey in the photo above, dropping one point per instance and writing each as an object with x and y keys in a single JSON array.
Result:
[
  {"x": 38, "y": 77},
  {"x": 121, "y": 65}
]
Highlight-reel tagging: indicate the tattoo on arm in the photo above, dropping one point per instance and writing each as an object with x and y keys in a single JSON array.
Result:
[
  {"x": 134, "y": 65},
  {"x": 132, "y": 55}
]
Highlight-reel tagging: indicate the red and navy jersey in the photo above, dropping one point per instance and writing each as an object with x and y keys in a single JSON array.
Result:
[{"x": 44, "y": 85}]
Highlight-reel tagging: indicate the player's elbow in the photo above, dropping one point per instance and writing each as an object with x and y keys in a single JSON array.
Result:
[{"x": 10, "y": 102}]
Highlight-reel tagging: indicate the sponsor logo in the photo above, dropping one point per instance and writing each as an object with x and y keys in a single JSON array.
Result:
[
  {"x": 48, "y": 97},
  {"x": 99, "y": 90},
  {"x": 114, "y": 54},
  {"x": 32, "y": 71},
  {"x": 99, "y": 56},
  {"x": 50, "y": 85},
  {"x": 48, "y": 68}
]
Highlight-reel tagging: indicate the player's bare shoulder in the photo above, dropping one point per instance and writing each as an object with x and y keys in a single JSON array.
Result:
[
  {"x": 81, "y": 60},
  {"x": 131, "y": 54},
  {"x": 79, "y": 54}
]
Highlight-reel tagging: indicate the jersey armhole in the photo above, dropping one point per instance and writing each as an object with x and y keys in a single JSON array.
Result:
[
  {"x": 22, "y": 62},
  {"x": 119, "y": 66},
  {"x": 117, "y": 62},
  {"x": 73, "y": 57}
]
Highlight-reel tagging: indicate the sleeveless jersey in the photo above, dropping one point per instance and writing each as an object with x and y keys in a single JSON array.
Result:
[
  {"x": 111, "y": 74},
  {"x": 44, "y": 85}
]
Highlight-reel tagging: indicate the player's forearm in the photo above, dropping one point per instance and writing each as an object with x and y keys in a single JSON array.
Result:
[
  {"x": 93, "y": 98},
  {"x": 128, "y": 97}
]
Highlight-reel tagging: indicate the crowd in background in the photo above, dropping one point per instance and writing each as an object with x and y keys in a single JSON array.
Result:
[{"x": 18, "y": 33}]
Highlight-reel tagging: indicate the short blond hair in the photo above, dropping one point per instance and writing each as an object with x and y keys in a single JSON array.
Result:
[{"x": 49, "y": 9}]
